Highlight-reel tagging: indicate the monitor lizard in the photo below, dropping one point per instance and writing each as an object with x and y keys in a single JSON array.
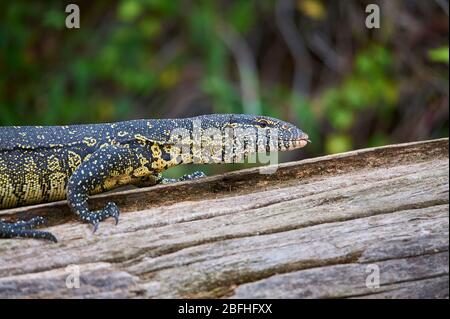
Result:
[{"x": 40, "y": 164}]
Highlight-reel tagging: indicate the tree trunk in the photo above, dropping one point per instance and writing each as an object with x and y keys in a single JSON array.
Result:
[{"x": 370, "y": 223}]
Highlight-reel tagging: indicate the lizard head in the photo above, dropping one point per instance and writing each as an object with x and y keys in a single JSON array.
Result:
[
  {"x": 280, "y": 135},
  {"x": 256, "y": 129},
  {"x": 234, "y": 136},
  {"x": 228, "y": 138}
]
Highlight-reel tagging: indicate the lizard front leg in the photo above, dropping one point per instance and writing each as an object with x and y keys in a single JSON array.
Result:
[
  {"x": 101, "y": 170},
  {"x": 24, "y": 229}
]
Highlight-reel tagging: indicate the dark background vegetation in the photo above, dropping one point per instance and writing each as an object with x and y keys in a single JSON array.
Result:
[{"x": 311, "y": 62}]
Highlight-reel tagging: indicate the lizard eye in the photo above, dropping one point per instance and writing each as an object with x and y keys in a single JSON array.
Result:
[{"x": 264, "y": 122}]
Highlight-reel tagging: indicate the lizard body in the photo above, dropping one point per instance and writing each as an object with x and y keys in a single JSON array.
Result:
[{"x": 47, "y": 163}]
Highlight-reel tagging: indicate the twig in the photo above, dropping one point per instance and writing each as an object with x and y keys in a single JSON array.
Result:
[
  {"x": 284, "y": 12},
  {"x": 246, "y": 65}
]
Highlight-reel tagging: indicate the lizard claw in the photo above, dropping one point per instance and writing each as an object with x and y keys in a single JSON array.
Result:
[
  {"x": 112, "y": 211},
  {"x": 49, "y": 236},
  {"x": 193, "y": 176},
  {"x": 94, "y": 218}
]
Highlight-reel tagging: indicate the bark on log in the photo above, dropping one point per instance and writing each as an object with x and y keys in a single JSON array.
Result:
[{"x": 316, "y": 228}]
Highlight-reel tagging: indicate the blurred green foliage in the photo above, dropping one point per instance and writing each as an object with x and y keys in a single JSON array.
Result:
[
  {"x": 159, "y": 58},
  {"x": 369, "y": 85},
  {"x": 439, "y": 54}
]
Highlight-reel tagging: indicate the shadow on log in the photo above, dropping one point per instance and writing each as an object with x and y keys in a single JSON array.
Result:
[{"x": 319, "y": 228}]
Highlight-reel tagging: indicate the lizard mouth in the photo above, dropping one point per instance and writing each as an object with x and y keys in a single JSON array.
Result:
[
  {"x": 297, "y": 143},
  {"x": 291, "y": 144}
]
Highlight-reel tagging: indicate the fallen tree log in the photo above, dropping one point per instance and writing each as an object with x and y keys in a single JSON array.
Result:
[{"x": 370, "y": 223}]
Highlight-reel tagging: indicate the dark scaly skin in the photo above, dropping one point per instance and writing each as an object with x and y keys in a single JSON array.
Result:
[{"x": 43, "y": 164}]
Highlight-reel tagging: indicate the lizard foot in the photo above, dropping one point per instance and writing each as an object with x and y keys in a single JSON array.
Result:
[
  {"x": 94, "y": 218},
  {"x": 186, "y": 177},
  {"x": 194, "y": 175},
  {"x": 24, "y": 229}
]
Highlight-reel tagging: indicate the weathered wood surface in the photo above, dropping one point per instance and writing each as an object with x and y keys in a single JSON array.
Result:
[{"x": 311, "y": 230}]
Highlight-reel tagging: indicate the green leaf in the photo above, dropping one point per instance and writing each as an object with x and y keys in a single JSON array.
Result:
[
  {"x": 150, "y": 27},
  {"x": 312, "y": 8},
  {"x": 353, "y": 94},
  {"x": 54, "y": 19},
  {"x": 129, "y": 10},
  {"x": 439, "y": 54},
  {"x": 338, "y": 143},
  {"x": 241, "y": 15},
  {"x": 342, "y": 119}
]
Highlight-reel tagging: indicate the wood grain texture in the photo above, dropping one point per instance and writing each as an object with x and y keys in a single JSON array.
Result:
[{"x": 312, "y": 229}]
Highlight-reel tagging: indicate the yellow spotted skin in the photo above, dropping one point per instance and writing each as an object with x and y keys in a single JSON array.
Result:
[{"x": 41, "y": 164}]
